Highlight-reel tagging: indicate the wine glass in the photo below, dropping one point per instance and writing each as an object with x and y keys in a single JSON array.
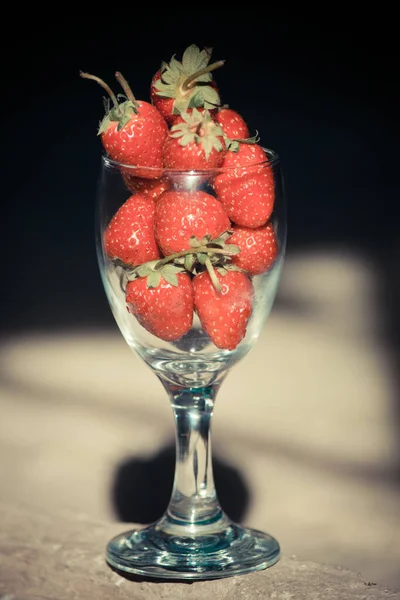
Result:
[{"x": 194, "y": 539}]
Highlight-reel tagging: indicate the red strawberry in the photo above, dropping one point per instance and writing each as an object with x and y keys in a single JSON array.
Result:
[
  {"x": 249, "y": 201},
  {"x": 258, "y": 248},
  {"x": 224, "y": 315},
  {"x": 195, "y": 142},
  {"x": 153, "y": 188},
  {"x": 163, "y": 104},
  {"x": 133, "y": 132},
  {"x": 232, "y": 124},
  {"x": 180, "y": 84},
  {"x": 129, "y": 235},
  {"x": 166, "y": 310},
  {"x": 250, "y": 159},
  {"x": 246, "y": 188},
  {"x": 182, "y": 214}
]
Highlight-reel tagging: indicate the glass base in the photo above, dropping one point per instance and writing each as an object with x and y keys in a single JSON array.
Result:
[{"x": 153, "y": 553}]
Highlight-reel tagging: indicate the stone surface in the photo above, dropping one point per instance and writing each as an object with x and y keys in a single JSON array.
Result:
[{"x": 61, "y": 557}]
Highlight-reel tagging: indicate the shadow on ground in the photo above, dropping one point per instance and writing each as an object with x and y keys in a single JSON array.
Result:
[{"x": 142, "y": 487}]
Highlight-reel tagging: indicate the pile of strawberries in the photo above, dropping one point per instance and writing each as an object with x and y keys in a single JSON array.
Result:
[{"x": 188, "y": 242}]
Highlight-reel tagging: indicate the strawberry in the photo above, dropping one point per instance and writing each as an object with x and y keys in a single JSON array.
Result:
[
  {"x": 129, "y": 235},
  {"x": 232, "y": 124},
  {"x": 195, "y": 142},
  {"x": 153, "y": 188},
  {"x": 224, "y": 314},
  {"x": 242, "y": 159},
  {"x": 182, "y": 214},
  {"x": 178, "y": 86},
  {"x": 258, "y": 248},
  {"x": 246, "y": 185},
  {"x": 165, "y": 309},
  {"x": 163, "y": 104},
  {"x": 249, "y": 201},
  {"x": 132, "y": 132}
]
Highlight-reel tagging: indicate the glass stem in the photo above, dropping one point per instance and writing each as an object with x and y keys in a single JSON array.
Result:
[{"x": 194, "y": 502}]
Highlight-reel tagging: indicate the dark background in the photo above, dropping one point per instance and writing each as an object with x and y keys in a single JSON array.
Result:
[{"x": 323, "y": 95}]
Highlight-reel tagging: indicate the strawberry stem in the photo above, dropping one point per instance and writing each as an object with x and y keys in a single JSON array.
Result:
[
  {"x": 212, "y": 274},
  {"x": 126, "y": 87},
  {"x": 199, "y": 250},
  {"x": 189, "y": 82},
  {"x": 254, "y": 139},
  {"x": 103, "y": 85}
]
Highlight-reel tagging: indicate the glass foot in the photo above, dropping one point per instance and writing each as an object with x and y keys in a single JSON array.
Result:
[{"x": 152, "y": 553}]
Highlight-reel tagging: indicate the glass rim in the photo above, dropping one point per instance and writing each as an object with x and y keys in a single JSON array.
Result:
[{"x": 272, "y": 160}]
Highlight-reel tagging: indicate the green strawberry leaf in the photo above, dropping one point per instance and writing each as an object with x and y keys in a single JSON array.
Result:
[
  {"x": 186, "y": 139},
  {"x": 196, "y": 100},
  {"x": 129, "y": 275},
  {"x": 121, "y": 114},
  {"x": 178, "y": 108},
  {"x": 203, "y": 79},
  {"x": 210, "y": 96},
  {"x": 176, "y": 132},
  {"x": 189, "y": 261},
  {"x": 193, "y": 59},
  {"x": 218, "y": 259},
  {"x": 175, "y": 65},
  {"x": 181, "y": 103},
  {"x": 206, "y": 239},
  {"x": 199, "y": 128},
  {"x": 104, "y": 125},
  {"x": 194, "y": 242},
  {"x": 232, "y": 145},
  {"x": 223, "y": 237},
  {"x": 124, "y": 120},
  {"x": 167, "y": 77},
  {"x": 171, "y": 268},
  {"x": 187, "y": 117},
  {"x": 143, "y": 270},
  {"x": 218, "y": 145},
  {"x": 232, "y": 249},
  {"x": 170, "y": 278},
  {"x": 207, "y": 146},
  {"x": 153, "y": 279},
  {"x": 164, "y": 90},
  {"x": 201, "y": 257}
]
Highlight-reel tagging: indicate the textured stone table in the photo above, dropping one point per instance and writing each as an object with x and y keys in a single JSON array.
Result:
[{"x": 61, "y": 557}]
